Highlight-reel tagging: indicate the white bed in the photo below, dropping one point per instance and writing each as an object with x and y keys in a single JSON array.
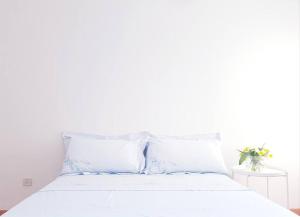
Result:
[{"x": 180, "y": 195}]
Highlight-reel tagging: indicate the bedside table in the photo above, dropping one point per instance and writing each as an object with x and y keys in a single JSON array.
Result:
[
  {"x": 2, "y": 211},
  {"x": 266, "y": 172}
]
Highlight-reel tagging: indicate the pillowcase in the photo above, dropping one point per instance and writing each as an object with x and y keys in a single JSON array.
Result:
[
  {"x": 67, "y": 136},
  {"x": 89, "y": 153},
  {"x": 199, "y": 153}
]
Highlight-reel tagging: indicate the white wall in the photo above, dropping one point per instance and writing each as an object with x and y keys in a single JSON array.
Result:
[{"x": 171, "y": 67}]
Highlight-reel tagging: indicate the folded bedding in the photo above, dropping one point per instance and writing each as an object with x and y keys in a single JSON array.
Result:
[
  {"x": 176, "y": 195},
  {"x": 160, "y": 182}
]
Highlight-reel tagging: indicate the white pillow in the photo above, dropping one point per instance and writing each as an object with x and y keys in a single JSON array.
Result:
[
  {"x": 67, "y": 136},
  {"x": 199, "y": 153},
  {"x": 88, "y": 153}
]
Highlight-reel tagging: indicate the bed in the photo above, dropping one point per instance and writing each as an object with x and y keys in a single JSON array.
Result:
[
  {"x": 145, "y": 175},
  {"x": 140, "y": 195}
]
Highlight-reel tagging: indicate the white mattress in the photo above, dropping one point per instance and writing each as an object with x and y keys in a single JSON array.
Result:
[{"x": 181, "y": 195}]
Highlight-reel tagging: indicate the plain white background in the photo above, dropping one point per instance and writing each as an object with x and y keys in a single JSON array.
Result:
[{"x": 171, "y": 67}]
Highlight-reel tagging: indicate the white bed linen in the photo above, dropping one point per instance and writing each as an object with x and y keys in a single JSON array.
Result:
[
  {"x": 199, "y": 154},
  {"x": 180, "y": 195}
]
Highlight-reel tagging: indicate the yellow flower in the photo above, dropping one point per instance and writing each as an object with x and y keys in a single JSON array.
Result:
[
  {"x": 246, "y": 149},
  {"x": 261, "y": 153},
  {"x": 266, "y": 150},
  {"x": 270, "y": 155}
]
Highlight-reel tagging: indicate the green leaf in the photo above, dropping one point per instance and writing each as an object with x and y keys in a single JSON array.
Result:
[{"x": 243, "y": 157}]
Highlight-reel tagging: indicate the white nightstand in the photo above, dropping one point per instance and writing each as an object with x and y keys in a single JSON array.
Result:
[{"x": 266, "y": 172}]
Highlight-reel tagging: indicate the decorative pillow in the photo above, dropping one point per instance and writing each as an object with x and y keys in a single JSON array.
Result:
[
  {"x": 199, "y": 153},
  {"x": 88, "y": 153}
]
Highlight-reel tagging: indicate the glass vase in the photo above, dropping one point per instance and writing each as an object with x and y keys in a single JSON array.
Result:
[{"x": 255, "y": 163}]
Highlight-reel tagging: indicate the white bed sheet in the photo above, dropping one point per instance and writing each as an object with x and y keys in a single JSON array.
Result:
[{"x": 180, "y": 195}]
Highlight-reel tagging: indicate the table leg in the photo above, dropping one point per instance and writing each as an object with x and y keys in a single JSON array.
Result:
[
  {"x": 268, "y": 194},
  {"x": 247, "y": 181},
  {"x": 287, "y": 192}
]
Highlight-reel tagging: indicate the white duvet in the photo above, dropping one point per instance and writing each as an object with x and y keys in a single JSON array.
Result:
[{"x": 180, "y": 195}]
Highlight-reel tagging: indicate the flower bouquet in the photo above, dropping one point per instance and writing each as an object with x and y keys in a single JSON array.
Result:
[{"x": 254, "y": 157}]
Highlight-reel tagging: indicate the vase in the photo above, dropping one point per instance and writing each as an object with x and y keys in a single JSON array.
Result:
[{"x": 255, "y": 163}]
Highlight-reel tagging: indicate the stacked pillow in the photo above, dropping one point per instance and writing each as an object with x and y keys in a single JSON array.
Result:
[
  {"x": 142, "y": 153},
  {"x": 89, "y": 153},
  {"x": 198, "y": 154}
]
